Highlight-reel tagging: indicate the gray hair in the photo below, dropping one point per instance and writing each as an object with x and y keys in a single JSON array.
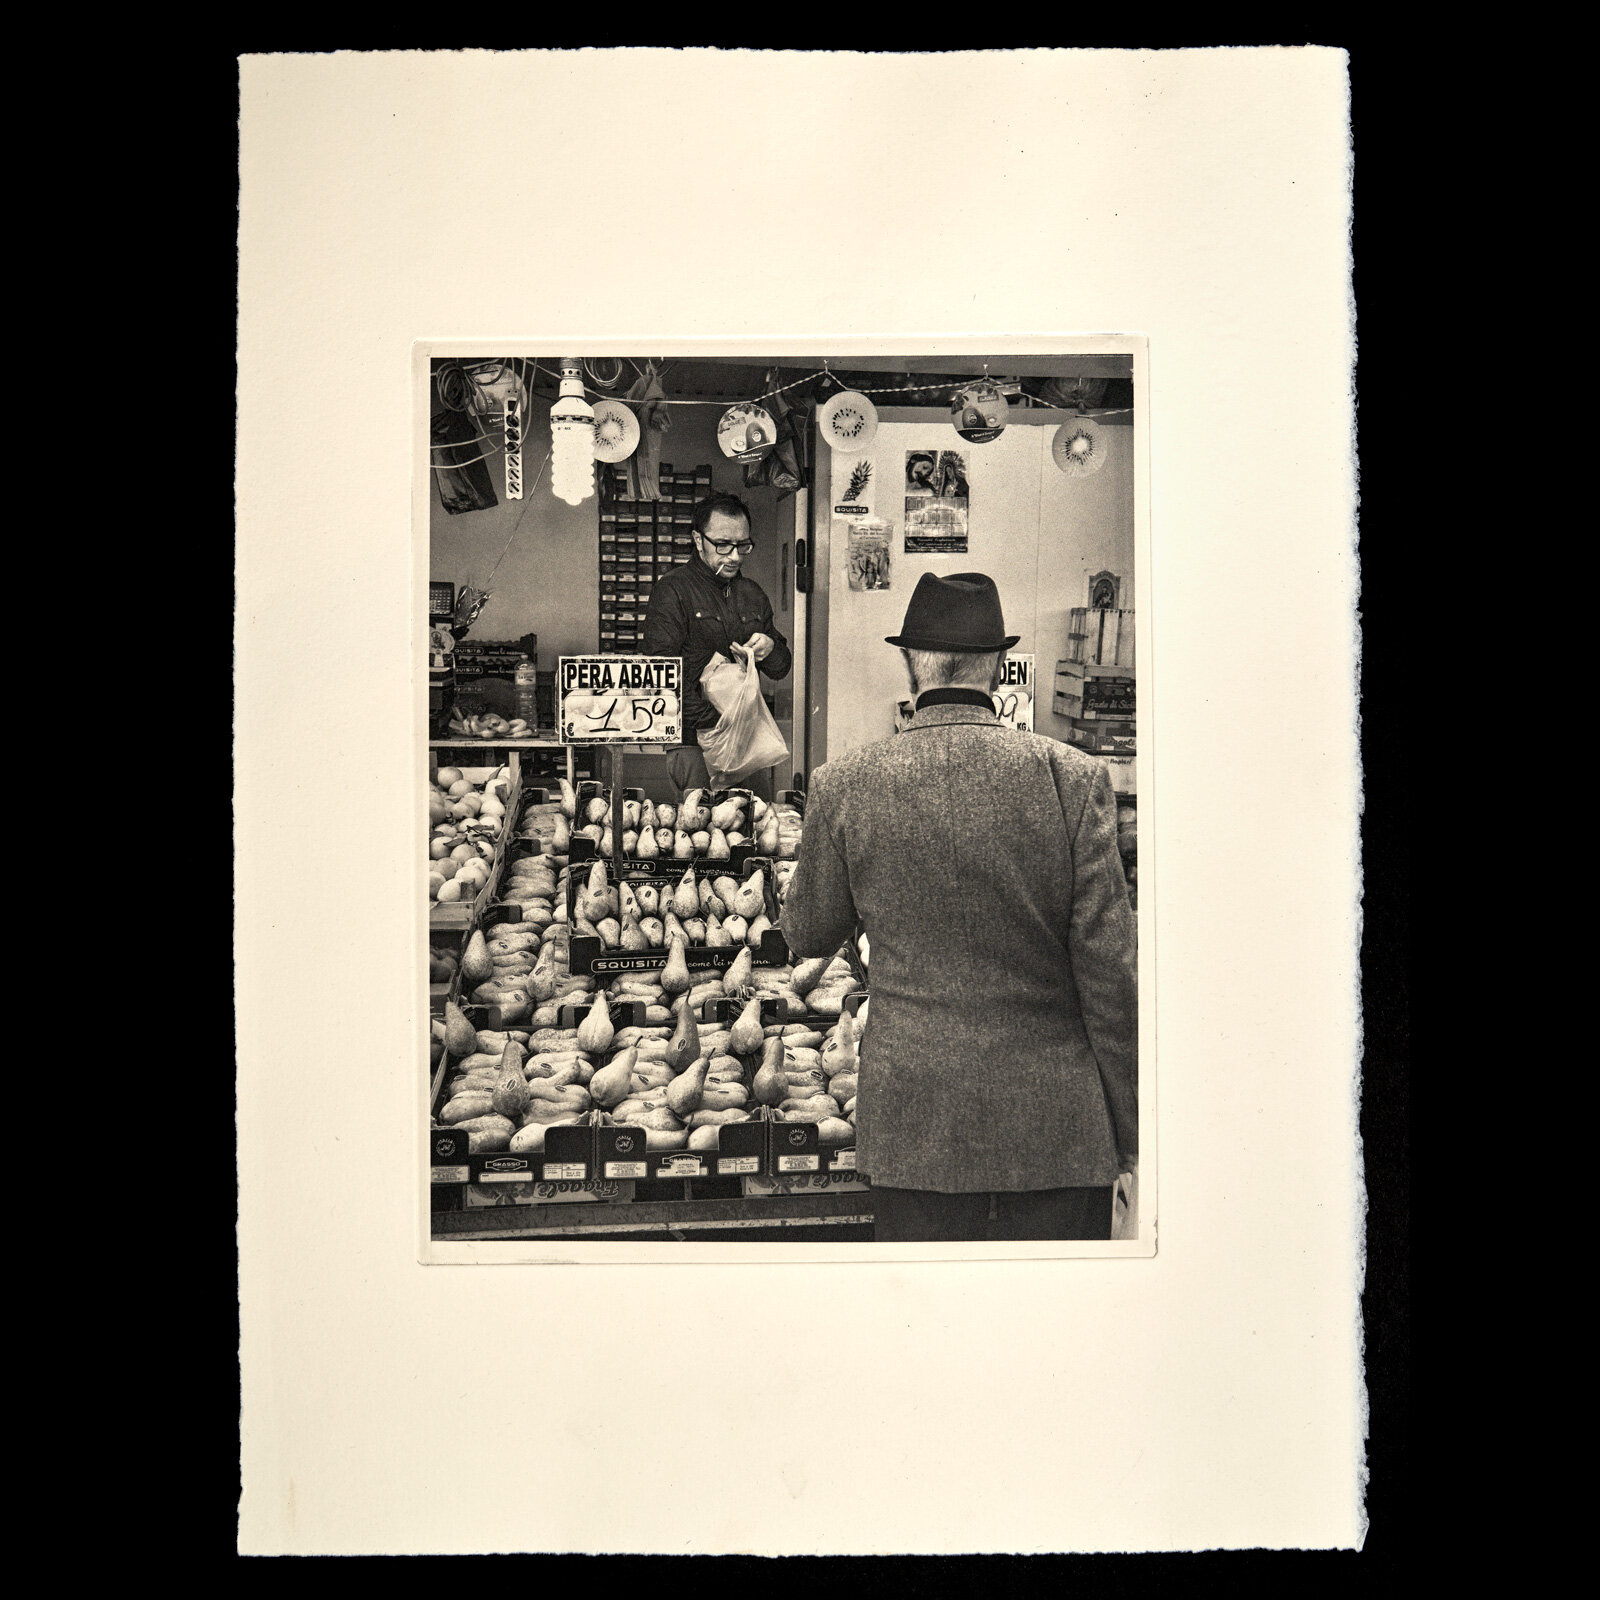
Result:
[{"x": 953, "y": 669}]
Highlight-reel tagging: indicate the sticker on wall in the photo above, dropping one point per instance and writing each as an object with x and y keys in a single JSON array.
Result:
[
  {"x": 746, "y": 432},
  {"x": 979, "y": 413},
  {"x": 936, "y": 501},
  {"x": 855, "y": 498},
  {"x": 848, "y": 422},
  {"x": 1078, "y": 448},
  {"x": 616, "y": 431},
  {"x": 869, "y": 543}
]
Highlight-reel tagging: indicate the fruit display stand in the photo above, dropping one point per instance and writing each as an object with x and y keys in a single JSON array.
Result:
[{"x": 761, "y": 1173}]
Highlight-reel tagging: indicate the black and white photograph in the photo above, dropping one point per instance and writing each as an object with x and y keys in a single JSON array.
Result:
[{"x": 716, "y": 950}]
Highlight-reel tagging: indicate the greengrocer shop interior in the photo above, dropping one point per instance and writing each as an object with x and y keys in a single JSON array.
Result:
[{"x": 1039, "y": 532}]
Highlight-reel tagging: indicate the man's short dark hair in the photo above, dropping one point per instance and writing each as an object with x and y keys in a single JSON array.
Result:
[{"x": 727, "y": 505}]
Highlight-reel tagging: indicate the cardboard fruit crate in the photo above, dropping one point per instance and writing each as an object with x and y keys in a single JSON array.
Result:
[{"x": 589, "y": 955}]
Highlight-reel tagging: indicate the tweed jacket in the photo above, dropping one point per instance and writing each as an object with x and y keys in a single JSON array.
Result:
[{"x": 1000, "y": 1049}]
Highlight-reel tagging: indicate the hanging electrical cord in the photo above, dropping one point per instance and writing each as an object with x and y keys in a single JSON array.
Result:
[
  {"x": 512, "y": 535},
  {"x": 602, "y": 392},
  {"x": 606, "y": 384}
]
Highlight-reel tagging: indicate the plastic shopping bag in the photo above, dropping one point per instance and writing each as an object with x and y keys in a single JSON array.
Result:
[{"x": 744, "y": 739}]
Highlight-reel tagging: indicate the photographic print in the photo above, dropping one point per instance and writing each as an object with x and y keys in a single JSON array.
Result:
[{"x": 653, "y": 1004}]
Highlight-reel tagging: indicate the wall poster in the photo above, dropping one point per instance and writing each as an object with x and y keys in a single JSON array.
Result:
[{"x": 936, "y": 497}]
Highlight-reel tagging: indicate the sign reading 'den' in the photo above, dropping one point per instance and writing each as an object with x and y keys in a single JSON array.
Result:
[
  {"x": 1013, "y": 699},
  {"x": 620, "y": 699}
]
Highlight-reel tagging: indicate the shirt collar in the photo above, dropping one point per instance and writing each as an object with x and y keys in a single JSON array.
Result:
[{"x": 954, "y": 697}]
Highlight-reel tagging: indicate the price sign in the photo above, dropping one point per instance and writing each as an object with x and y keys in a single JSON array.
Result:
[
  {"x": 1013, "y": 697},
  {"x": 620, "y": 699}
]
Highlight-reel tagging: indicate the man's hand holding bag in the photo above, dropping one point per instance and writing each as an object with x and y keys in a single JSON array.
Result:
[{"x": 744, "y": 739}]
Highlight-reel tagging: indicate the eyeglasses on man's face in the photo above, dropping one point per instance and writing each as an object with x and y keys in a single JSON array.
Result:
[{"x": 726, "y": 546}]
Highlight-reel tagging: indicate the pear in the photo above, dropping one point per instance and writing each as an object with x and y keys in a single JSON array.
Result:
[
  {"x": 511, "y": 1088},
  {"x": 675, "y": 975},
  {"x": 685, "y": 1091},
  {"x": 748, "y": 900},
  {"x": 460, "y": 1037},
  {"x": 569, "y": 799},
  {"x": 771, "y": 1084},
  {"x": 756, "y": 929},
  {"x": 728, "y": 815},
  {"x": 736, "y": 980},
  {"x": 705, "y": 1136},
  {"x": 665, "y": 840},
  {"x": 628, "y": 902},
  {"x": 744, "y": 1037},
  {"x": 806, "y": 973},
  {"x": 717, "y": 846},
  {"x": 696, "y": 929},
  {"x": 647, "y": 817},
  {"x": 595, "y": 1032},
  {"x": 646, "y": 846},
  {"x": 706, "y": 896},
  {"x": 609, "y": 1087},
  {"x": 735, "y": 838},
  {"x": 654, "y": 932},
  {"x": 715, "y": 933},
  {"x": 633, "y": 936},
  {"x": 725, "y": 888},
  {"x": 769, "y": 838},
  {"x": 839, "y": 1049},
  {"x": 695, "y": 813},
  {"x": 682, "y": 846},
  {"x": 610, "y": 931},
  {"x": 630, "y": 814},
  {"x": 686, "y": 896},
  {"x": 676, "y": 930},
  {"x": 684, "y": 1045},
  {"x": 649, "y": 900},
  {"x": 735, "y": 928},
  {"x": 607, "y": 844},
  {"x": 476, "y": 964},
  {"x": 597, "y": 810},
  {"x": 666, "y": 815}
]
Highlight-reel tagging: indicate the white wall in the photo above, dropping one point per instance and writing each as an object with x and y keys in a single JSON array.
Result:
[{"x": 1035, "y": 531}]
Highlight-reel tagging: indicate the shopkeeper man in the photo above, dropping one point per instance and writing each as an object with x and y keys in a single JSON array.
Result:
[
  {"x": 706, "y": 607},
  {"x": 998, "y": 1094}
]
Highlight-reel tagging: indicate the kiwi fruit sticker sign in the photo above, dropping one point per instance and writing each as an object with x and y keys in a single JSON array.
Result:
[{"x": 620, "y": 699}]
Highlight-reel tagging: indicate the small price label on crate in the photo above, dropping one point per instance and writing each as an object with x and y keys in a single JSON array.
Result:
[
  {"x": 843, "y": 1160},
  {"x": 626, "y": 1169},
  {"x": 450, "y": 1174},
  {"x": 682, "y": 1167},
  {"x": 565, "y": 1171},
  {"x": 798, "y": 1163},
  {"x": 735, "y": 1166}
]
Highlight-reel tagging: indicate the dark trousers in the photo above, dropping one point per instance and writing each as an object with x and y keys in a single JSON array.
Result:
[{"x": 921, "y": 1214}]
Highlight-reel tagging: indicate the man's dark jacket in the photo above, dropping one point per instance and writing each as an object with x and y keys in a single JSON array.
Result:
[{"x": 695, "y": 614}]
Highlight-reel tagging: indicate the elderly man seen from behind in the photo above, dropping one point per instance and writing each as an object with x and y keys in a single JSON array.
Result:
[{"x": 998, "y": 1094}]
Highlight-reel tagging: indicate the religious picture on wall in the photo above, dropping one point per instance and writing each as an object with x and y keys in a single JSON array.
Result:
[
  {"x": 936, "y": 502},
  {"x": 869, "y": 544}
]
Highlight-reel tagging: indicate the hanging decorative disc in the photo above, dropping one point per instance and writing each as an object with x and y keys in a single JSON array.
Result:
[
  {"x": 616, "y": 431},
  {"x": 979, "y": 413},
  {"x": 848, "y": 422},
  {"x": 1079, "y": 447},
  {"x": 746, "y": 432}
]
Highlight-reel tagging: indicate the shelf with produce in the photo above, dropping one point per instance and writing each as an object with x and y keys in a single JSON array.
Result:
[
  {"x": 733, "y": 1038},
  {"x": 514, "y": 747}
]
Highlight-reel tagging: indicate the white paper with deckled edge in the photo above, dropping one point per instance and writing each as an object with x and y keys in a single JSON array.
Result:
[{"x": 394, "y": 1482}]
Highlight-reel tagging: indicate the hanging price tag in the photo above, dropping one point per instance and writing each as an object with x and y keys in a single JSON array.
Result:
[
  {"x": 1013, "y": 696},
  {"x": 614, "y": 699}
]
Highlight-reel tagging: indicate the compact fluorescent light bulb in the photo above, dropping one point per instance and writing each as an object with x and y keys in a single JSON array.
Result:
[{"x": 572, "y": 439}]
